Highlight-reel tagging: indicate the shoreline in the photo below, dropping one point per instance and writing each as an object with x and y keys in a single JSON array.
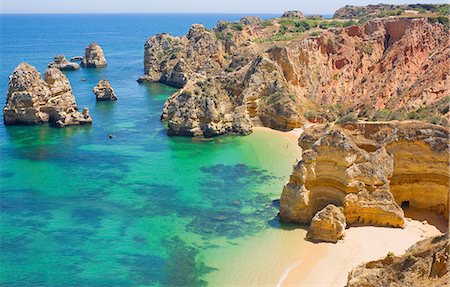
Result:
[{"x": 361, "y": 244}]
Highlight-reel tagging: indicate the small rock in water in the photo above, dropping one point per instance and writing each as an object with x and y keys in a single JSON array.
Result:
[{"x": 110, "y": 136}]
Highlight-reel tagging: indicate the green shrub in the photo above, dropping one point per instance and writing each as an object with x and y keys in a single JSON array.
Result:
[
  {"x": 237, "y": 26},
  {"x": 348, "y": 118},
  {"x": 266, "y": 23},
  {"x": 316, "y": 33},
  {"x": 390, "y": 254}
]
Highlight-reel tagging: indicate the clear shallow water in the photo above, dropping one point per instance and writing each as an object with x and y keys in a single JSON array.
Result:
[{"x": 141, "y": 209}]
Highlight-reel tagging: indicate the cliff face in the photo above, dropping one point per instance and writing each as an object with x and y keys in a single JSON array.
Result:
[
  {"x": 33, "y": 100},
  {"x": 393, "y": 64},
  {"x": 424, "y": 264},
  {"x": 370, "y": 170}
]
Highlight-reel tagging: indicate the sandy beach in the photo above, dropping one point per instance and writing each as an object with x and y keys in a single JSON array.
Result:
[
  {"x": 361, "y": 244},
  {"x": 285, "y": 258}
]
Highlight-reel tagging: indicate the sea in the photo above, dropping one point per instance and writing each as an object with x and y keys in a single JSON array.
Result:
[{"x": 142, "y": 208}]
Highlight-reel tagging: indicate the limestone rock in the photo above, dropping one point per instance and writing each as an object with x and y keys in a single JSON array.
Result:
[
  {"x": 76, "y": 59},
  {"x": 60, "y": 62},
  {"x": 32, "y": 100},
  {"x": 93, "y": 57},
  {"x": 424, "y": 264},
  {"x": 327, "y": 225},
  {"x": 104, "y": 92},
  {"x": 334, "y": 171},
  {"x": 293, "y": 14},
  {"x": 250, "y": 20},
  {"x": 396, "y": 65},
  {"x": 369, "y": 169}
]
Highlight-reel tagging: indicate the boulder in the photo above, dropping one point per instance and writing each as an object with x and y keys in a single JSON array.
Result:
[
  {"x": 60, "y": 62},
  {"x": 328, "y": 225},
  {"x": 104, "y": 92},
  {"x": 294, "y": 14},
  {"x": 32, "y": 100},
  {"x": 93, "y": 57}
]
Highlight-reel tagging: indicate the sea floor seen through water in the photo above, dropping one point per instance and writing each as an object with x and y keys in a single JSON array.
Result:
[{"x": 140, "y": 209}]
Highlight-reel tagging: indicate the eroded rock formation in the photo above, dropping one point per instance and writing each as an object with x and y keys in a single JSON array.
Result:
[
  {"x": 60, "y": 62},
  {"x": 104, "y": 92},
  {"x": 293, "y": 14},
  {"x": 395, "y": 65},
  {"x": 93, "y": 57},
  {"x": 327, "y": 225},
  {"x": 370, "y": 170},
  {"x": 32, "y": 100},
  {"x": 426, "y": 263}
]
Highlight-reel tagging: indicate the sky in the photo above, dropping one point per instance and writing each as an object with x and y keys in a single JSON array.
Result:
[{"x": 186, "y": 6}]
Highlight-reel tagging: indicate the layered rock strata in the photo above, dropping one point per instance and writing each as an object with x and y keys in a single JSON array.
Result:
[
  {"x": 60, "y": 62},
  {"x": 32, "y": 100},
  {"x": 231, "y": 74},
  {"x": 104, "y": 92},
  {"x": 426, "y": 263},
  {"x": 370, "y": 170},
  {"x": 94, "y": 57}
]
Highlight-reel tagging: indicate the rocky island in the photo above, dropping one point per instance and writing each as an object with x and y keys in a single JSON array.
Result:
[
  {"x": 104, "y": 92},
  {"x": 93, "y": 57},
  {"x": 60, "y": 62},
  {"x": 32, "y": 100}
]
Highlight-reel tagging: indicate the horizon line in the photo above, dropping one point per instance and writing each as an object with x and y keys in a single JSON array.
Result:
[{"x": 143, "y": 13}]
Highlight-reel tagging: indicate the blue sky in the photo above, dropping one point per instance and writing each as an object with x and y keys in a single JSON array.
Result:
[{"x": 158, "y": 6}]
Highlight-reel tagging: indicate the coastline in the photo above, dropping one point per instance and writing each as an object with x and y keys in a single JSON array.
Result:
[{"x": 305, "y": 261}]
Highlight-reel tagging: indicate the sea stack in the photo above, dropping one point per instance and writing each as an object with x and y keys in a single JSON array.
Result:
[
  {"x": 32, "y": 100},
  {"x": 93, "y": 57},
  {"x": 104, "y": 92},
  {"x": 60, "y": 62}
]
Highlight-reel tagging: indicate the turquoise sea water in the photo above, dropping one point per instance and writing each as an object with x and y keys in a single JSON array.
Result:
[{"x": 142, "y": 208}]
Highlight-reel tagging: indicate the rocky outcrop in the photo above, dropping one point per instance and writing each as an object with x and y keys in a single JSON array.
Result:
[
  {"x": 426, "y": 263},
  {"x": 104, "y": 92},
  {"x": 393, "y": 65},
  {"x": 336, "y": 171},
  {"x": 293, "y": 14},
  {"x": 370, "y": 170},
  {"x": 76, "y": 59},
  {"x": 32, "y": 100},
  {"x": 93, "y": 57},
  {"x": 327, "y": 225},
  {"x": 60, "y": 62},
  {"x": 382, "y": 10}
]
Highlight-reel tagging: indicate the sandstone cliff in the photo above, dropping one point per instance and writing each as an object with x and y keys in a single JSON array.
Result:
[
  {"x": 426, "y": 263},
  {"x": 272, "y": 73},
  {"x": 370, "y": 170},
  {"x": 32, "y": 100}
]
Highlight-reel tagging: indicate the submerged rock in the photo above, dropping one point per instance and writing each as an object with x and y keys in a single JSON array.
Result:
[
  {"x": 327, "y": 225},
  {"x": 93, "y": 57},
  {"x": 104, "y": 92},
  {"x": 32, "y": 100},
  {"x": 60, "y": 62}
]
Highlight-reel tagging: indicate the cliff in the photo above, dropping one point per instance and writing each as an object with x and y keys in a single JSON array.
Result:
[
  {"x": 426, "y": 263},
  {"x": 32, "y": 100},
  {"x": 275, "y": 73},
  {"x": 370, "y": 170}
]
